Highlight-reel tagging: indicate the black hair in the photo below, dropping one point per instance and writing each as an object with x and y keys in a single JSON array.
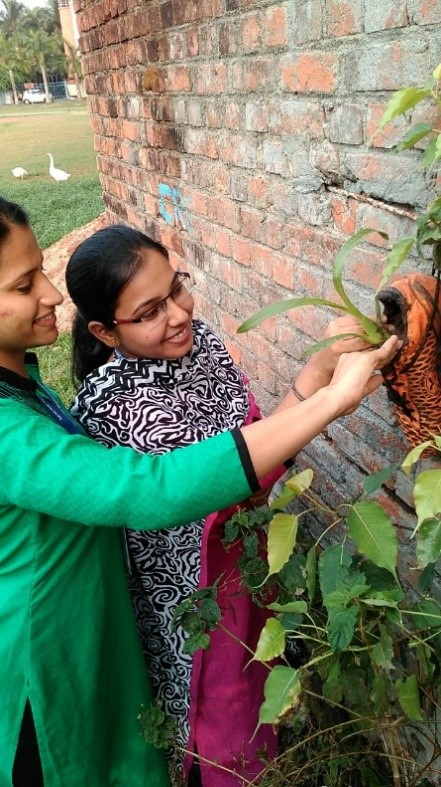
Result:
[
  {"x": 96, "y": 274},
  {"x": 10, "y": 214}
]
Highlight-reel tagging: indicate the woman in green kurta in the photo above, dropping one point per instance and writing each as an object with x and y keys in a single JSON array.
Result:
[{"x": 72, "y": 677}]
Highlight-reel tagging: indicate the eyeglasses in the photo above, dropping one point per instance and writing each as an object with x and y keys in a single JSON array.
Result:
[{"x": 155, "y": 314}]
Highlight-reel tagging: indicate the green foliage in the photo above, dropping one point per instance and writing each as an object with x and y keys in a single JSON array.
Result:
[
  {"x": 157, "y": 729},
  {"x": 198, "y": 614},
  {"x": 369, "y": 687},
  {"x": 249, "y": 528},
  {"x": 34, "y": 43}
]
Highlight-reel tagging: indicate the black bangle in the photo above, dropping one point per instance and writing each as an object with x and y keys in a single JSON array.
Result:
[{"x": 297, "y": 393}]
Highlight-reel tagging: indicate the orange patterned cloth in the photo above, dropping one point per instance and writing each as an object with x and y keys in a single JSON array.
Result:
[{"x": 412, "y": 304}]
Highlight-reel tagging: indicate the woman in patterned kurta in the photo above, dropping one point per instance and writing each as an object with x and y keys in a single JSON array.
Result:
[
  {"x": 154, "y": 378},
  {"x": 155, "y": 406}
]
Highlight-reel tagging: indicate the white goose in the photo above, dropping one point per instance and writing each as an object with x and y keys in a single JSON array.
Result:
[
  {"x": 54, "y": 172},
  {"x": 19, "y": 172}
]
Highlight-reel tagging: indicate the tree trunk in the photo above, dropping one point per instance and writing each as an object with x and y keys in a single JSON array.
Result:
[
  {"x": 13, "y": 85},
  {"x": 42, "y": 65}
]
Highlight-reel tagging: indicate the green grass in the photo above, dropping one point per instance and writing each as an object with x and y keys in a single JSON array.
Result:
[
  {"x": 62, "y": 128},
  {"x": 54, "y": 363},
  {"x": 27, "y": 133}
]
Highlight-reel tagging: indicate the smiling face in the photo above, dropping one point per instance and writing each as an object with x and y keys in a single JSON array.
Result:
[
  {"x": 170, "y": 338},
  {"x": 27, "y": 299}
]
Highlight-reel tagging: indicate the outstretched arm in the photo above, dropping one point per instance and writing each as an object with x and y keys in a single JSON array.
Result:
[
  {"x": 276, "y": 438},
  {"x": 319, "y": 369}
]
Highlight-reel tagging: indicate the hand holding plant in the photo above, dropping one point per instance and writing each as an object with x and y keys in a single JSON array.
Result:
[{"x": 354, "y": 376}]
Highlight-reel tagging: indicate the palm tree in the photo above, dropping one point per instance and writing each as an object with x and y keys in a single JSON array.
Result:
[
  {"x": 12, "y": 14},
  {"x": 41, "y": 47},
  {"x": 10, "y": 60}
]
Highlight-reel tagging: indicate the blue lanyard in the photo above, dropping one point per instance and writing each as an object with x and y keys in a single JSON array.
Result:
[{"x": 57, "y": 412}]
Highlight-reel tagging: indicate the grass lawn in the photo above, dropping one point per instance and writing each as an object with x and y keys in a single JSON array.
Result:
[
  {"x": 27, "y": 133},
  {"x": 62, "y": 128},
  {"x": 55, "y": 367}
]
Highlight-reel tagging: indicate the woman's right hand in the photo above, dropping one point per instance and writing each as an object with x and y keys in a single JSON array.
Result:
[{"x": 354, "y": 376}]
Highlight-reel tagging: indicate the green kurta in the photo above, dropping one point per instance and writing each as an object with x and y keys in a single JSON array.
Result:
[{"x": 68, "y": 640}]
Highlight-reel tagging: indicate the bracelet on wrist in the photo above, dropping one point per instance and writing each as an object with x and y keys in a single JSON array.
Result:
[{"x": 297, "y": 393}]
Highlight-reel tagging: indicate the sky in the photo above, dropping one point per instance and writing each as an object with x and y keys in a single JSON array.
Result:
[{"x": 34, "y": 3}]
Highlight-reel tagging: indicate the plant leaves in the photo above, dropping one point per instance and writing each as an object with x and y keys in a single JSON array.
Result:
[
  {"x": 375, "y": 481},
  {"x": 427, "y": 495},
  {"x": 429, "y": 154},
  {"x": 373, "y": 333},
  {"x": 271, "y": 641},
  {"x": 427, "y": 578},
  {"x": 311, "y": 572},
  {"x": 340, "y": 627},
  {"x": 401, "y": 101},
  {"x": 414, "y": 455},
  {"x": 408, "y": 697},
  {"x": 379, "y": 694},
  {"x": 417, "y": 132},
  {"x": 291, "y": 606},
  {"x": 282, "y": 534},
  {"x": 383, "y": 652},
  {"x": 428, "y": 547},
  {"x": 196, "y": 641},
  {"x": 317, "y": 346},
  {"x": 300, "y": 482},
  {"x": 395, "y": 258},
  {"x": 284, "y": 306},
  {"x": 427, "y": 615},
  {"x": 292, "y": 488},
  {"x": 282, "y": 692},
  {"x": 331, "y": 561},
  {"x": 371, "y": 529}
]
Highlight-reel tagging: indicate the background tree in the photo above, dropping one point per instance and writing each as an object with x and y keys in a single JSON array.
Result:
[
  {"x": 13, "y": 69},
  {"x": 12, "y": 15},
  {"x": 45, "y": 51}
]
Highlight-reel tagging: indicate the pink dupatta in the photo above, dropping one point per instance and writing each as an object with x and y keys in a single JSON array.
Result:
[{"x": 226, "y": 689}]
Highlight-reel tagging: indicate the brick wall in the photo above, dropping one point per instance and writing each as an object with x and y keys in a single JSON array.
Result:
[{"x": 240, "y": 134}]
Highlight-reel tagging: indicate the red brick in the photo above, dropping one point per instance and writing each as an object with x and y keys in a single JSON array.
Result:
[
  {"x": 178, "y": 79},
  {"x": 282, "y": 271},
  {"x": 427, "y": 12},
  {"x": 210, "y": 78},
  {"x": 344, "y": 17},
  {"x": 240, "y": 249},
  {"x": 251, "y": 30},
  {"x": 310, "y": 73},
  {"x": 252, "y": 224},
  {"x": 258, "y": 75},
  {"x": 344, "y": 214},
  {"x": 275, "y": 27},
  {"x": 365, "y": 267},
  {"x": 201, "y": 143},
  {"x": 258, "y": 191}
]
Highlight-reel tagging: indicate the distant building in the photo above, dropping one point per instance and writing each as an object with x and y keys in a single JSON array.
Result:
[
  {"x": 69, "y": 29},
  {"x": 70, "y": 34}
]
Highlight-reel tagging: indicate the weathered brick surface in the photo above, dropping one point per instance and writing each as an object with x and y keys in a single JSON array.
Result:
[{"x": 243, "y": 135}]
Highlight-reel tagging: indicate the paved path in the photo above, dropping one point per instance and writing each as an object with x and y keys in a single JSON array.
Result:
[{"x": 55, "y": 260}]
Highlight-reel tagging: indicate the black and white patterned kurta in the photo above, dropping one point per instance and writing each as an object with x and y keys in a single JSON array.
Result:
[{"x": 155, "y": 406}]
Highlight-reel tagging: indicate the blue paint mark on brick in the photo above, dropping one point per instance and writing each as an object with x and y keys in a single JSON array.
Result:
[{"x": 171, "y": 206}]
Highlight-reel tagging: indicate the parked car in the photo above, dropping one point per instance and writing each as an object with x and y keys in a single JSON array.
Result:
[{"x": 34, "y": 96}]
